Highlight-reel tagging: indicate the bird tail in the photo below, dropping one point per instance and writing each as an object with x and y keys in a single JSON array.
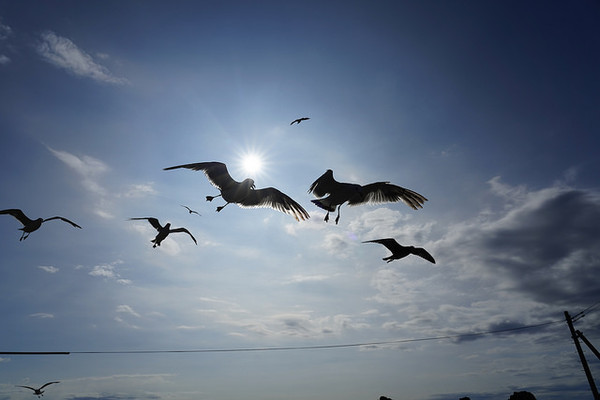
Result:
[{"x": 324, "y": 204}]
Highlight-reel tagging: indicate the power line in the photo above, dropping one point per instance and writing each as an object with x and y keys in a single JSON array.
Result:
[{"x": 288, "y": 348}]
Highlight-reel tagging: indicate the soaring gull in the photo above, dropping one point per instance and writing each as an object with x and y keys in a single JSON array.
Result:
[
  {"x": 243, "y": 193},
  {"x": 163, "y": 231},
  {"x": 297, "y": 121},
  {"x": 340, "y": 193},
  {"x": 38, "y": 392},
  {"x": 30, "y": 225},
  {"x": 399, "y": 251},
  {"x": 190, "y": 210}
]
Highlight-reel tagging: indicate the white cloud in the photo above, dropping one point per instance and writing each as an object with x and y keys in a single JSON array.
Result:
[
  {"x": 41, "y": 315},
  {"x": 48, "y": 268},
  {"x": 63, "y": 53},
  {"x": 124, "y": 308},
  {"x": 4, "y": 59},
  {"x": 108, "y": 271},
  {"x": 5, "y": 31}
]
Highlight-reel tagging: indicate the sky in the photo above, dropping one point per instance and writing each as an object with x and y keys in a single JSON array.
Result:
[{"x": 488, "y": 109}]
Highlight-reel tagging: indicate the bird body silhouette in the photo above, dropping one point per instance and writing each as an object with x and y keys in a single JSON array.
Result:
[
  {"x": 31, "y": 225},
  {"x": 355, "y": 194},
  {"x": 163, "y": 231},
  {"x": 399, "y": 251},
  {"x": 190, "y": 210},
  {"x": 244, "y": 193},
  {"x": 297, "y": 121},
  {"x": 38, "y": 392}
]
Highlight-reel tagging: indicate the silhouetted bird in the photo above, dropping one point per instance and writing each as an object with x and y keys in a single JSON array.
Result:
[
  {"x": 243, "y": 193},
  {"x": 38, "y": 392},
  {"x": 190, "y": 210},
  {"x": 163, "y": 231},
  {"x": 384, "y": 398},
  {"x": 399, "y": 251},
  {"x": 354, "y": 194},
  {"x": 30, "y": 225},
  {"x": 297, "y": 121}
]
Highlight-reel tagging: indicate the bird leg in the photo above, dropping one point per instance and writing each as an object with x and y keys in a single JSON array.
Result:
[
  {"x": 23, "y": 236},
  {"x": 210, "y": 198},
  {"x": 338, "y": 216},
  {"x": 326, "y": 219},
  {"x": 221, "y": 207}
]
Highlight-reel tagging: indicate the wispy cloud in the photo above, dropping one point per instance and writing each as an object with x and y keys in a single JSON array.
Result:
[
  {"x": 109, "y": 272},
  {"x": 48, "y": 268},
  {"x": 88, "y": 168},
  {"x": 63, "y": 53},
  {"x": 5, "y": 32},
  {"x": 124, "y": 308},
  {"x": 41, "y": 315}
]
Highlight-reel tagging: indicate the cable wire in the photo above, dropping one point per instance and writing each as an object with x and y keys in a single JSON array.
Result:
[{"x": 287, "y": 348}]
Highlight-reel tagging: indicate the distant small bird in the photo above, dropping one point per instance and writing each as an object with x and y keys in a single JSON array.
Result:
[
  {"x": 38, "y": 392},
  {"x": 190, "y": 210},
  {"x": 163, "y": 231},
  {"x": 30, "y": 225},
  {"x": 399, "y": 251},
  {"x": 297, "y": 121},
  {"x": 244, "y": 193},
  {"x": 354, "y": 194}
]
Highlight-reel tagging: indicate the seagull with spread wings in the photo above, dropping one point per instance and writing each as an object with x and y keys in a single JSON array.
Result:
[
  {"x": 297, "y": 121},
  {"x": 399, "y": 251},
  {"x": 244, "y": 193},
  {"x": 190, "y": 210},
  {"x": 38, "y": 392},
  {"x": 163, "y": 231},
  {"x": 30, "y": 225},
  {"x": 374, "y": 193}
]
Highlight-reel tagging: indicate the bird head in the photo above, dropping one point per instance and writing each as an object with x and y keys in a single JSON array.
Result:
[{"x": 249, "y": 183}]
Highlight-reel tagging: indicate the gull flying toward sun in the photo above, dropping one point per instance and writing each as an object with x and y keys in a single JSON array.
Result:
[
  {"x": 244, "y": 193},
  {"x": 31, "y": 225},
  {"x": 163, "y": 231},
  {"x": 190, "y": 210},
  {"x": 399, "y": 251},
  {"x": 374, "y": 193},
  {"x": 297, "y": 121},
  {"x": 38, "y": 392}
]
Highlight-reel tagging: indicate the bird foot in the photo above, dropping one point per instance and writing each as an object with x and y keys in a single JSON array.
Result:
[
  {"x": 337, "y": 219},
  {"x": 210, "y": 198},
  {"x": 326, "y": 219},
  {"x": 220, "y": 208}
]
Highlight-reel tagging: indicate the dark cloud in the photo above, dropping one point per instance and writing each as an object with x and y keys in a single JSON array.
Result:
[
  {"x": 115, "y": 397},
  {"x": 548, "y": 246}
]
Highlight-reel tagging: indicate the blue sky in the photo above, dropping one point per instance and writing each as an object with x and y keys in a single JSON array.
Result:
[{"x": 488, "y": 109}]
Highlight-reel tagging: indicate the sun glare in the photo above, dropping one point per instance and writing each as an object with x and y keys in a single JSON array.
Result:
[{"x": 252, "y": 164}]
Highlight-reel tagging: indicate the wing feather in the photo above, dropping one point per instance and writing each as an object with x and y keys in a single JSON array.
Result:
[
  {"x": 183, "y": 230},
  {"x": 18, "y": 214},
  {"x": 153, "y": 221},
  {"x": 63, "y": 219},
  {"x": 384, "y": 192},
  {"x": 216, "y": 172},
  {"x": 324, "y": 185},
  {"x": 275, "y": 199},
  {"x": 418, "y": 251}
]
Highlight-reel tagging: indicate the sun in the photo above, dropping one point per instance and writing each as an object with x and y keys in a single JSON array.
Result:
[{"x": 252, "y": 164}]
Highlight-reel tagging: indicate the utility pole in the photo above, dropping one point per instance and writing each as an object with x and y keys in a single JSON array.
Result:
[
  {"x": 586, "y": 368},
  {"x": 587, "y": 342}
]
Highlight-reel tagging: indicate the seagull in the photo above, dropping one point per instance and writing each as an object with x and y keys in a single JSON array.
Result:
[
  {"x": 38, "y": 392},
  {"x": 30, "y": 225},
  {"x": 354, "y": 194},
  {"x": 163, "y": 231},
  {"x": 243, "y": 193},
  {"x": 399, "y": 251},
  {"x": 190, "y": 210},
  {"x": 297, "y": 121}
]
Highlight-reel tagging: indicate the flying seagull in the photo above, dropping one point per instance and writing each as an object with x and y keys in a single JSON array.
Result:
[
  {"x": 297, "y": 121},
  {"x": 30, "y": 225},
  {"x": 163, "y": 231},
  {"x": 190, "y": 210},
  {"x": 399, "y": 251},
  {"x": 243, "y": 193},
  {"x": 38, "y": 392},
  {"x": 340, "y": 193}
]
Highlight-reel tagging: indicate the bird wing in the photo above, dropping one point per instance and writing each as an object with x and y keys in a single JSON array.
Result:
[
  {"x": 183, "y": 230},
  {"x": 273, "y": 198},
  {"x": 153, "y": 221},
  {"x": 18, "y": 214},
  {"x": 296, "y": 120},
  {"x": 384, "y": 192},
  {"x": 418, "y": 251},
  {"x": 49, "y": 383},
  {"x": 324, "y": 184},
  {"x": 216, "y": 172},
  {"x": 63, "y": 219},
  {"x": 27, "y": 387},
  {"x": 189, "y": 209},
  {"x": 390, "y": 243}
]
